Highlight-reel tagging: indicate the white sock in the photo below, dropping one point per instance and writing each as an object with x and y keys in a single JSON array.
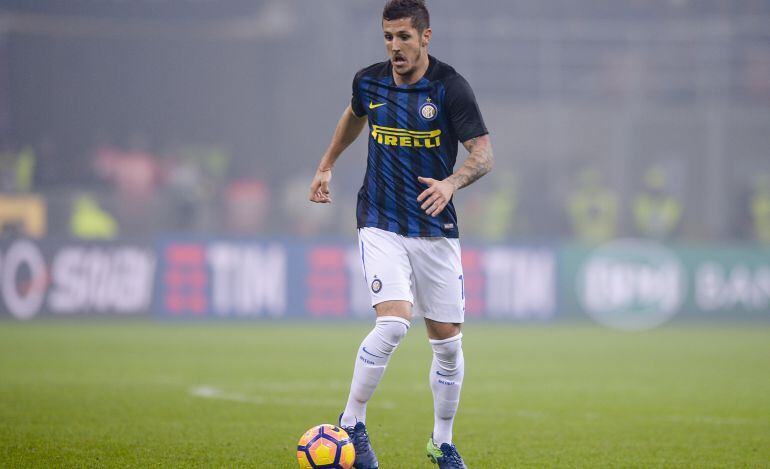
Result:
[
  {"x": 371, "y": 359},
  {"x": 446, "y": 380}
]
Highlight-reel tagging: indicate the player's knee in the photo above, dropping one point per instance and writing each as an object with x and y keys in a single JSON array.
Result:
[
  {"x": 391, "y": 331},
  {"x": 448, "y": 352},
  {"x": 398, "y": 308}
]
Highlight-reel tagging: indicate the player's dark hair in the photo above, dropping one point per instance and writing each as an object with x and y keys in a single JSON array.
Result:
[{"x": 414, "y": 9}]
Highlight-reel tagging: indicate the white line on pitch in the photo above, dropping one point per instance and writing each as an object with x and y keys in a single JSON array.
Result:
[{"x": 213, "y": 392}]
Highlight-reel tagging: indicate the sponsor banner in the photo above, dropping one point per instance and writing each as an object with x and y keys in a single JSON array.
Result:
[
  {"x": 222, "y": 279},
  {"x": 624, "y": 284},
  {"x": 245, "y": 279},
  {"x": 65, "y": 279},
  {"x": 275, "y": 279},
  {"x": 636, "y": 284}
]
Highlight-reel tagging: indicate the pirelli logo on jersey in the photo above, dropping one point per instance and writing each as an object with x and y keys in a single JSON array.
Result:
[{"x": 406, "y": 138}]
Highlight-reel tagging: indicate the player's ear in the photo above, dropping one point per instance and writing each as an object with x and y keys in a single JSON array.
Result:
[{"x": 426, "y": 35}]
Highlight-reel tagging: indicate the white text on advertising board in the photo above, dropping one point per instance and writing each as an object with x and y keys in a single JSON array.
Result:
[
  {"x": 718, "y": 287},
  {"x": 521, "y": 283},
  {"x": 631, "y": 284},
  {"x": 81, "y": 280},
  {"x": 101, "y": 279},
  {"x": 247, "y": 279}
]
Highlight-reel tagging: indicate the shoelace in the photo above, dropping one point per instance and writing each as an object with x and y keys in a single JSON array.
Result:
[
  {"x": 360, "y": 439},
  {"x": 453, "y": 457}
]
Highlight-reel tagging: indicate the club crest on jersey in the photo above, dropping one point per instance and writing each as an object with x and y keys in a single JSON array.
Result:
[
  {"x": 376, "y": 285},
  {"x": 428, "y": 110}
]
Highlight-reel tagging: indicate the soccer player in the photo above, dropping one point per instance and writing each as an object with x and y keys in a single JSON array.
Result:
[{"x": 418, "y": 109}]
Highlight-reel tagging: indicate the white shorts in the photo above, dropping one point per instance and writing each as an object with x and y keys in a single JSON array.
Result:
[{"x": 426, "y": 272}]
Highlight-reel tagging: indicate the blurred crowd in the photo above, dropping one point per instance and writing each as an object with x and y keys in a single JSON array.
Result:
[
  {"x": 137, "y": 190},
  {"x": 609, "y": 119}
]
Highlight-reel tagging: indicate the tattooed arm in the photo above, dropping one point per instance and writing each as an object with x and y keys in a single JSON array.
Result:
[
  {"x": 439, "y": 193},
  {"x": 478, "y": 163}
]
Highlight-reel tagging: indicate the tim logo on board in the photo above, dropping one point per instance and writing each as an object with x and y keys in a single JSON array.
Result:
[
  {"x": 222, "y": 280},
  {"x": 520, "y": 283},
  {"x": 631, "y": 285}
]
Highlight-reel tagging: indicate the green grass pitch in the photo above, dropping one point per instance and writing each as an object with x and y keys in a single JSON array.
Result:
[{"x": 136, "y": 394}]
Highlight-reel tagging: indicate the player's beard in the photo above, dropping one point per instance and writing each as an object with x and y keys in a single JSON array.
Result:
[{"x": 409, "y": 72}]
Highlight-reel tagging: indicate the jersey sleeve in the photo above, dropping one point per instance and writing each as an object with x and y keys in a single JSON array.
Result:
[
  {"x": 355, "y": 102},
  {"x": 463, "y": 111}
]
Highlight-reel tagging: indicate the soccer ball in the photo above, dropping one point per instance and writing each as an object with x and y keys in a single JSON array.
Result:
[{"x": 325, "y": 447}]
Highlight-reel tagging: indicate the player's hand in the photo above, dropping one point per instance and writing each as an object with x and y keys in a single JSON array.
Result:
[
  {"x": 319, "y": 188},
  {"x": 436, "y": 196}
]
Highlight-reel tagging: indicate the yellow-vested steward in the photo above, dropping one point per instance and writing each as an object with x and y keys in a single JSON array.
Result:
[{"x": 406, "y": 138}]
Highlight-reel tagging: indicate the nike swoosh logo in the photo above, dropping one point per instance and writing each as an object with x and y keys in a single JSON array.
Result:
[
  {"x": 442, "y": 374},
  {"x": 370, "y": 353},
  {"x": 375, "y": 106}
]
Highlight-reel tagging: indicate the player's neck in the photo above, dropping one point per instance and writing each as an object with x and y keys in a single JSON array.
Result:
[{"x": 416, "y": 75}]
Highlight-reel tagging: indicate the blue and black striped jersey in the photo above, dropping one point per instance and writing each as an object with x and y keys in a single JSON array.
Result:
[{"x": 414, "y": 131}]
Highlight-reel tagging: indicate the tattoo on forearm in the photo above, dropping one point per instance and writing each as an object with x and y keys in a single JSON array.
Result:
[{"x": 479, "y": 163}]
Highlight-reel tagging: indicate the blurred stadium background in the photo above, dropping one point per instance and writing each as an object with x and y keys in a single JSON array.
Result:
[
  {"x": 135, "y": 123},
  {"x": 155, "y": 158}
]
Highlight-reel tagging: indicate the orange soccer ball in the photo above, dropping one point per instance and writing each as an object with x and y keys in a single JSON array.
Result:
[{"x": 325, "y": 447}]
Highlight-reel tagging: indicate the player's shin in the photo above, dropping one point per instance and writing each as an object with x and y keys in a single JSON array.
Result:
[
  {"x": 446, "y": 379},
  {"x": 371, "y": 360}
]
